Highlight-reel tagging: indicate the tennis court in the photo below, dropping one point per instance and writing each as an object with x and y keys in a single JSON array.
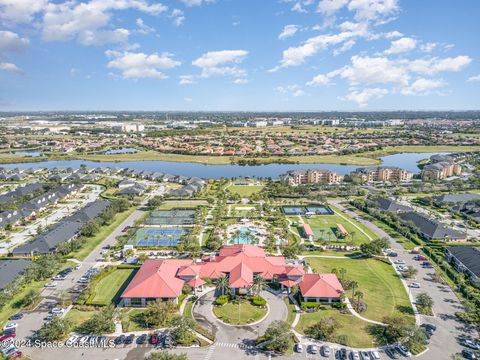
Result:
[
  {"x": 171, "y": 217},
  {"x": 302, "y": 210},
  {"x": 325, "y": 233},
  {"x": 154, "y": 237}
]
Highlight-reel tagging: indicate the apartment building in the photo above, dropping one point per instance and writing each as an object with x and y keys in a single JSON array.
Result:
[
  {"x": 310, "y": 176},
  {"x": 383, "y": 173},
  {"x": 441, "y": 170}
]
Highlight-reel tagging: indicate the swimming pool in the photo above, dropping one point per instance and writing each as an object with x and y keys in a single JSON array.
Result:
[{"x": 244, "y": 235}]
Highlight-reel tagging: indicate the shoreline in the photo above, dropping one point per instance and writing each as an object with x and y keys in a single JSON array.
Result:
[{"x": 362, "y": 159}]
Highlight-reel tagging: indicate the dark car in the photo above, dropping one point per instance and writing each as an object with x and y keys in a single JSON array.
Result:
[
  {"x": 468, "y": 354},
  {"x": 119, "y": 340},
  {"x": 16, "y": 316},
  {"x": 129, "y": 339},
  {"x": 343, "y": 354},
  {"x": 391, "y": 353},
  {"x": 142, "y": 339},
  {"x": 154, "y": 339},
  {"x": 167, "y": 341}
]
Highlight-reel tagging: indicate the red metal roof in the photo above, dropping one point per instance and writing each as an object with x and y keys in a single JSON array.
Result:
[
  {"x": 321, "y": 285},
  {"x": 308, "y": 230}
]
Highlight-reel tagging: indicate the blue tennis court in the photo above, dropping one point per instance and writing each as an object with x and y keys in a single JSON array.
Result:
[
  {"x": 155, "y": 237},
  {"x": 302, "y": 210}
]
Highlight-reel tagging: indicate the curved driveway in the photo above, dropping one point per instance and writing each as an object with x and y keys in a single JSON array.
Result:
[{"x": 238, "y": 334}]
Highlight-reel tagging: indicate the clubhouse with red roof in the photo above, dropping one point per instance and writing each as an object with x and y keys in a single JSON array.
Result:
[{"x": 165, "y": 279}]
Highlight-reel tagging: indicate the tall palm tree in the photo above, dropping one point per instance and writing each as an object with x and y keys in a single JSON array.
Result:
[
  {"x": 258, "y": 284},
  {"x": 359, "y": 295},
  {"x": 222, "y": 284},
  {"x": 354, "y": 286}
]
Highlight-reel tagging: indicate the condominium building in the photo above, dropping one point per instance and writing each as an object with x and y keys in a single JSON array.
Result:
[
  {"x": 383, "y": 173},
  {"x": 310, "y": 176},
  {"x": 441, "y": 170}
]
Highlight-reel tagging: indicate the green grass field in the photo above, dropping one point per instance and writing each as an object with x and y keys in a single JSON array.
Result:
[
  {"x": 109, "y": 289},
  {"x": 242, "y": 313},
  {"x": 356, "y": 331},
  {"x": 329, "y": 223},
  {"x": 78, "y": 317},
  {"x": 383, "y": 291},
  {"x": 245, "y": 191}
]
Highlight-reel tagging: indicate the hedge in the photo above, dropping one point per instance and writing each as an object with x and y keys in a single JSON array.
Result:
[
  {"x": 222, "y": 299},
  {"x": 258, "y": 301}
]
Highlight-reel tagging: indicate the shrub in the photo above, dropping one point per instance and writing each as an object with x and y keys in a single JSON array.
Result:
[
  {"x": 310, "y": 305},
  {"x": 222, "y": 299},
  {"x": 258, "y": 301}
]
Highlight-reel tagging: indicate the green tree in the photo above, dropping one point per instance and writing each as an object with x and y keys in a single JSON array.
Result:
[
  {"x": 324, "y": 330},
  {"x": 101, "y": 323},
  {"x": 258, "y": 284},
  {"x": 424, "y": 300},
  {"x": 222, "y": 285},
  {"x": 160, "y": 313},
  {"x": 410, "y": 272},
  {"x": 56, "y": 329},
  {"x": 182, "y": 330},
  {"x": 161, "y": 355},
  {"x": 278, "y": 337}
]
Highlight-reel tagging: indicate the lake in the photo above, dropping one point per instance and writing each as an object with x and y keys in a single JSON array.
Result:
[{"x": 406, "y": 161}]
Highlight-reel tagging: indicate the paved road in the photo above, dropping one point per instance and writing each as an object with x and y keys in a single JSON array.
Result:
[{"x": 444, "y": 343}]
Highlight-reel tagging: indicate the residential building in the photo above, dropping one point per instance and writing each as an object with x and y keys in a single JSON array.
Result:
[
  {"x": 441, "y": 167},
  {"x": 310, "y": 176},
  {"x": 389, "y": 204},
  {"x": 10, "y": 270},
  {"x": 383, "y": 173},
  {"x": 465, "y": 259},
  {"x": 431, "y": 229},
  {"x": 164, "y": 279}
]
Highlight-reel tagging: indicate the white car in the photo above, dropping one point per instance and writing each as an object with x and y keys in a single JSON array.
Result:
[
  {"x": 78, "y": 267},
  {"x": 10, "y": 326},
  {"x": 414, "y": 285},
  {"x": 402, "y": 268},
  {"x": 402, "y": 262},
  {"x": 57, "y": 311},
  {"x": 298, "y": 348},
  {"x": 51, "y": 284},
  {"x": 71, "y": 340},
  {"x": 375, "y": 355},
  {"x": 83, "y": 340}
]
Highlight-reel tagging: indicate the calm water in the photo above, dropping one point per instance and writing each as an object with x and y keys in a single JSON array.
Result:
[{"x": 406, "y": 161}]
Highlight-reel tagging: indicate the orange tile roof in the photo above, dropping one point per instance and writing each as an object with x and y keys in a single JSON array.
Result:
[{"x": 321, "y": 285}]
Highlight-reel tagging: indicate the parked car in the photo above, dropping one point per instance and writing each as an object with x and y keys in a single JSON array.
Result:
[
  {"x": 119, "y": 340},
  {"x": 141, "y": 339},
  {"x": 7, "y": 335},
  {"x": 51, "y": 284},
  {"x": 312, "y": 349},
  {"x": 17, "y": 316},
  {"x": 129, "y": 339},
  {"x": 414, "y": 285},
  {"x": 78, "y": 266},
  {"x": 470, "y": 344},
  {"x": 402, "y": 268},
  {"x": 414, "y": 252},
  {"x": 364, "y": 355},
  {"x": 420, "y": 258},
  {"x": 343, "y": 354},
  {"x": 354, "y": 355},
  {"x": 15, "y": 354},
  {"x": 167, "y": 341},
  {"x": 125, "y": 229},
  {"x": 57, "y": 311},
  {"x": 391, "y": 353},
  {"x": 403, "y": 350},
  {"x": 83, "y": 340},
  {"x": 392, "y": 254},
  {"x": 399, "y": 261},
  {"x": 468, "y": 354},
  {"x": 298, "y": 348},
  {"x": 325, "y": 350},
  {"x": 12, "y": 325},
  {"x": 154, "y": 339},
  {"x": 374, "y": 355},
  {"x": 71, "y": 340}
]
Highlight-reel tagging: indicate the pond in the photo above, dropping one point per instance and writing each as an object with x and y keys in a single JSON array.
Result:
[{"x": 406, "y": 161}]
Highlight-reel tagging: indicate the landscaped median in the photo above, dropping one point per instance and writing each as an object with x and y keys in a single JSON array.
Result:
[{"x": 240, "y": 310}]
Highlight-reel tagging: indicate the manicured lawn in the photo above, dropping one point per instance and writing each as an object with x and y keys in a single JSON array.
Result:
[
  {"x": 93, "y": 242},
  {"x": 14, "y": 305},
  {"x": 132, "y": 320},
  {"x": 78, "y": 317},
  {"x": 245, "y": 191},
  {"x": 108, "y": 289},
  {"x": 356, "y": 331},
  {"x": 291, "y": 310},
  {"x": 329, "y": 224},
  {"x": 383, "y": 291},
  {"x": 169, "y": 204},
  {"x": 242, "y": 313}
]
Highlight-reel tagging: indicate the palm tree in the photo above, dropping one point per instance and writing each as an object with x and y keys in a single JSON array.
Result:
[
  {"x": 258, "y": 284},
  {"x": 359, "y": 295},
  {"x": 222, "y": 284},
  {"x": 354, "y": 285}
]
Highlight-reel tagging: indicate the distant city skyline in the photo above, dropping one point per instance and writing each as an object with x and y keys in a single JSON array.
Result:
[{"x": 239, "y": 55}]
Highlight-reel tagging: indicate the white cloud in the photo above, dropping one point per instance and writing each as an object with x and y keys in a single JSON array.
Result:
[
  {"x": 329, "y": 7},
  {"x": 221, "y": 63},
  {"x": 475, "y": 78},
  {"x": 190, "y": 3},
  {"x": 143, "y": 28},
  {"x": 11, "y": 42},
  {"x": 288, "y": 31},
  {"x": 9, "y": 67},
  {"x": 70, "y": 20},
  {"x": 393, "y": 34},
  {"x": 291, "y": 90},
  {"x": 89, "y": 37},
  {"x": 435, "y": 65},
  {"x": 423, "y": 86},
  {"x": 364, "y": 96},
  {"x": 297, "y": 7},
  {"x": 140, "y": 65},
  {"x": 186, "y": 80},
  {"x": 428, "y": 47},
  {"x": 20, "y": 11},
  {"x": 178, "y": 17},
  {"x": 373, "y": 10},
  {"x": 319, "y": 80},
  {"x": 405, "y": 44},
  {"x": 240, "y": 81}
]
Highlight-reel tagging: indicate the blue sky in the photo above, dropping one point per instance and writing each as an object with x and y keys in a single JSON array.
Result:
[{"x": 239, "y": 55}]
